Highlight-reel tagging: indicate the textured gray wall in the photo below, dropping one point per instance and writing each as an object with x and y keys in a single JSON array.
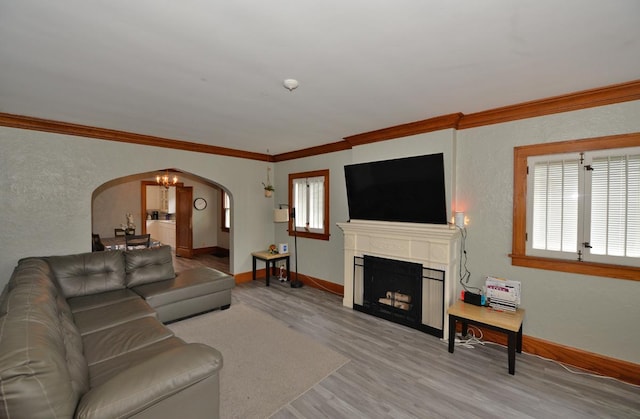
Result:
[
  {"x": 46, "y": 183},
  {"x": 592, "y": 313}
]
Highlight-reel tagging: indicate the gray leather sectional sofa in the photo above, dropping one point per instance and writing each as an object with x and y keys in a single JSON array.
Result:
[{"x": 77, "y": 340}]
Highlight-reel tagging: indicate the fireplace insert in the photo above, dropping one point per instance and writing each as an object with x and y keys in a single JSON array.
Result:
[{"x": 393, "y": 290}]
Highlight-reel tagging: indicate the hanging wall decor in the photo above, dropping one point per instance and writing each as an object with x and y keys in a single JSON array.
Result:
[{"x": 268, "y": 187}]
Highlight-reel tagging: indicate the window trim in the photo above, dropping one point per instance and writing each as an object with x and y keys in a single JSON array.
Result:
[
  {"x": 315, "y": 173},
  {"x": 518, "y": 251},
  {"x": 223, "y": 212}
]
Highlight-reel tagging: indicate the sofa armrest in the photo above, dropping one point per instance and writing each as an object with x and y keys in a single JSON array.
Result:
[{"x": 151, "y": 382}]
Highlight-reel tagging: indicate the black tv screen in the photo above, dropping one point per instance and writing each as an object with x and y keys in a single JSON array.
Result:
[{"x": 408, "y": 189}]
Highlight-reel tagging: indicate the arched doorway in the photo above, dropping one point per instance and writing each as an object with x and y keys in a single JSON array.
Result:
[{"x": 210, "y": 243}]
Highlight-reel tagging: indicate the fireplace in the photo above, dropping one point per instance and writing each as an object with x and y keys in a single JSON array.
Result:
[
  {"x": 392, "y": 290},
  {"x": 433, "y": 248}
]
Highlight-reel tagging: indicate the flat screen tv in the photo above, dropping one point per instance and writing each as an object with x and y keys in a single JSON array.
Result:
[{"x": 408, "y": 189}]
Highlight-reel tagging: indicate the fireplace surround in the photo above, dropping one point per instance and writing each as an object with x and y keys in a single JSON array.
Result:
[{"x": 435, "y": 247}]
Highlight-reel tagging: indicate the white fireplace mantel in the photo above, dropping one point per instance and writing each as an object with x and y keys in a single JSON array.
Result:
[{"x": 432, "y": 245}]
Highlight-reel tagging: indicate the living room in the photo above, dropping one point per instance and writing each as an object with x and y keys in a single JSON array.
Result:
[{"x": 51, "y": 168}]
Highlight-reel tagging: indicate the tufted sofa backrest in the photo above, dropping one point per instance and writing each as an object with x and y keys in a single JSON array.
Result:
[
  {"x": 41, "y": 354},
  {"x": 148, "y": 265},
  {"x": 89, "y": 273}
]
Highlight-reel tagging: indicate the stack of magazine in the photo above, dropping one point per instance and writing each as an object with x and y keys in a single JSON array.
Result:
[{"x": 502, "y": 294}]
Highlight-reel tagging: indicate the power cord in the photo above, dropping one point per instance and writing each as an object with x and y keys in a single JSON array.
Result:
[
  {"x": 464, "y": 271},
  {"x": 471, "y": 339},
  {"x": 572, "y": 371},
  {"x": 318, "y": 285}
]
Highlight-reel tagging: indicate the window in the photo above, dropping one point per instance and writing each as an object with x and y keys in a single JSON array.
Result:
[
  {"x": 309, "y": 196},
  {"x": 577, "y": 206},
  {"x": 225, "y": 212}
]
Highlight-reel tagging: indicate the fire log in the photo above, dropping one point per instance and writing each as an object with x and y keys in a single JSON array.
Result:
[
  {"x": 394, "y": 295},
  {"x": 396, "y": 304}
]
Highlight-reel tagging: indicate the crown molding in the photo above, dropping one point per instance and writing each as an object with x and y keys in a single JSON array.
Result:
[
  {"x": 601, "y": 96},
  {"x": 404, "y": 130},
  {"x": 313, "y": 151},
  {"x": 38, "y": 124}
]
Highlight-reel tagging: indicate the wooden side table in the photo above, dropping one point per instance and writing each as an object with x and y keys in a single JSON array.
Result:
[
  {"x": 501, "y": 321},
  {"x": 270, "y": 260}
]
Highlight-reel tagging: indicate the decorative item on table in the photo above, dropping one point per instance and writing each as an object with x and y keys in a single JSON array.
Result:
[
  {"x": 273, "y": 249},
  {"x": 125, "y": 230},
  {"x": 130, "y": 224}
]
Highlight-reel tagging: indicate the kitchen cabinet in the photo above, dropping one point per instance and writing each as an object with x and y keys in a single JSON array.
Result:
[
  {"x": 152, "y": 228},
  {"x": 161, "y": 199},
  {"x": 163, "y": 230},
  {"x": 172, "y": 200},
  {"x": 153, "y": 197},
  {"x": 168, "y": 199}
]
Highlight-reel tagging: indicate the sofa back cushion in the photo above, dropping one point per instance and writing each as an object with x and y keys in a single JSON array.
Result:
[
  {"x": 148, "y": 265},
  {"x": 42, "y": 366},
  {"x": 89, "y": 273}
]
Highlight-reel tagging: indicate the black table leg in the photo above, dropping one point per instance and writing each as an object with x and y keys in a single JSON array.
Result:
[
  {"x": 511, "y": 347},
  {"x": 452, "y": 333},
  {"x": 268, "y": 271},
  {"x": 253, "y": 276},
  {"x": 519, "y": 341}
]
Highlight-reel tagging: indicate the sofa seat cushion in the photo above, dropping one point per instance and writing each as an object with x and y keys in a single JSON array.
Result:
[
  {"x": 99, "y": 318},
  {"x": 161, "y": 386},
  {"x": 88, "y": 273},
  {"x": 87, "y": 302},
  {"x": 109, "y": 343},
  {"x": 103, "y": 371}
]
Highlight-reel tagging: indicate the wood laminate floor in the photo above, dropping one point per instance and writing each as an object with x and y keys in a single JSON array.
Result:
[{"x": 398, "y": 372}]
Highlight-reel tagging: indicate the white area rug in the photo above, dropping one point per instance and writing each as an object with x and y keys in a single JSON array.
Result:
[{"x": 265, "y": 363}]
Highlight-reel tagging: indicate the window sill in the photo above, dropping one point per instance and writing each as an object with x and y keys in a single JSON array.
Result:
[
  {"x": 574, "y": 266},
  {"x": 317, "y": 236}
]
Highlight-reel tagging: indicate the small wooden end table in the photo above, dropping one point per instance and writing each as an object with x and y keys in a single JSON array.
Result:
[
  {"x": 501, "y": 321},
  {"x": 270, "y": 260}
]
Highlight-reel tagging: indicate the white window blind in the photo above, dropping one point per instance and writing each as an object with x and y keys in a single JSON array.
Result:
[
  {"x": 615, "y": 205},
  {"x": 308, "y": 198},
  {"x": 555, "y": 201},
  {"x": 585, "y": 206},
  {"x": 227, "y": 210}
]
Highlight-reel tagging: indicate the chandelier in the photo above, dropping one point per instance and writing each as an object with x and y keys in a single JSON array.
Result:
[{"x": 166, "y": 181}]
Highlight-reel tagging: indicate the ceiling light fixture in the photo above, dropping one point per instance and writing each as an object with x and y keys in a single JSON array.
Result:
[
  {"x": 166, "y": 181},
  {"x": 291, "y": 84}
]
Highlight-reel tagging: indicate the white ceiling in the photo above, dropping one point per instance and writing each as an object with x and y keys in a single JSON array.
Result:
[{"x": 211, "y": 72}]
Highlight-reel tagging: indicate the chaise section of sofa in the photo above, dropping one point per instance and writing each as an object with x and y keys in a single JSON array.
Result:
[
  {"x": 76, "y": 342},
  {"x": 149, "y": 273},
  {"x": 193, "y": 291}
]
